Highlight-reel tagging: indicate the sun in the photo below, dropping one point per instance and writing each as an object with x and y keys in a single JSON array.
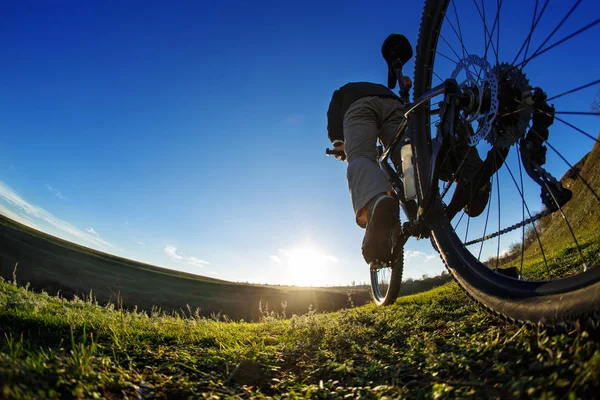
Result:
[{"x": 307, "y": 266}]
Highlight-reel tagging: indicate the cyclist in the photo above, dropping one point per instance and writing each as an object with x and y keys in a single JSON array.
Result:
[{"x": 359, "y": 114}]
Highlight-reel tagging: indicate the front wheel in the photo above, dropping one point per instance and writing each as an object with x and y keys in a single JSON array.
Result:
[
  {"x": 524, "y": 248},
  {"x": 385, "y": 283}
]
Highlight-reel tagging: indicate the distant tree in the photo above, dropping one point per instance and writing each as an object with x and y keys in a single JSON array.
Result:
[{"x": 596, "y": 103}]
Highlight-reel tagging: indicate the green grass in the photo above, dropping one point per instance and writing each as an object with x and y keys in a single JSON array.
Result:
[
  {"x": 561, "y": 256},
  {"x": 559, "y": 260},
  {"x": 433, "y": 344}
]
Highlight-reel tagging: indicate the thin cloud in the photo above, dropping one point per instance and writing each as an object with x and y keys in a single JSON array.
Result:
[
  {"x": 17, "y": 217},
  {"x": 408, "y": 254},
  {"x": 275, "y": 258},
  {"x": 143, "y": 244},
  {"x": 294, "y": 119},
  {"x": 172, "y": 252},
  {"x": 56, "y": 192},
  {"x": 504, "y": 252},
  {"x": 32, "y": 212}
]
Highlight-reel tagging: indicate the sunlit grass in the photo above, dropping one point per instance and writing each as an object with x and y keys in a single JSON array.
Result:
[
  {"x": 428, "y": 344},
  {"x": 560, "y": 258}
]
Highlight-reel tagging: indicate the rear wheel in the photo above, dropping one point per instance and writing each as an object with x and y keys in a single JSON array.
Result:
[{"x": 527, "y": 259}]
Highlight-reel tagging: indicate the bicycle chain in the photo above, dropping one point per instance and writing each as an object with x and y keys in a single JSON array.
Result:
[{"x": 510, "y": 228}]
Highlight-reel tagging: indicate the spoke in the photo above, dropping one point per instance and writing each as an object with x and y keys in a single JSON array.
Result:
[
  {"x": 574, "y": 90},
  {"x": 566, "y": 123},
  {"x": 522, "y": 213},
  {"x": 560, "y": 208},
  {"x": 498, "y": 194},
  {"x": 437, "y": 76},
  {"x": 577, "y": 129},
  {"x": 462, "y": 215},
  {"x": 496, "y": 22},
  {"x": 585, "y": 265},
  {"x": 467, "y": 230},
  {"x": 458, "y": 170},
  {"x": 514, "y": 112},
  {"x": 451, "y": 48},
  {"x": 460, "y": 36},
  {"x": 446, "y": 57},
  {"x": 498, "y": 33},
  {"x": 487, "y": 216},
  {"x": 534, "y": 23},
  {"x": 558, "y": 26},
  {"x": 485, "y": 29},
  {"x": 460, "y": 219},
  {"x": 461, "y": 43},
  {"x": 524, "y": 205},
  {"x": 577, "y": 113},
  {"x": 446, "y": 188},
  {"x": 486, "y": 32},
  {"x": 569, "y": 164},
  {"x": 586, "y": 113},
  {"x": 572, "y": 35}
]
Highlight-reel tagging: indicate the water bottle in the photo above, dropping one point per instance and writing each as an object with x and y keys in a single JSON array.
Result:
[{"x": 408, "y": 172}]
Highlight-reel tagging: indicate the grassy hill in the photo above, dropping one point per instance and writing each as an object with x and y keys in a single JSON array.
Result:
[
  {"x": 55, "y": 265},
  {"x": 583, "y": 210},
  {"x": 430, "y": 345},
  {"x": 583, "y": 215}
]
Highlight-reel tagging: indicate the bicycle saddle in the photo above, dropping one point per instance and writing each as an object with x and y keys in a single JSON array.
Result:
[{"x": 396, "y": 50}]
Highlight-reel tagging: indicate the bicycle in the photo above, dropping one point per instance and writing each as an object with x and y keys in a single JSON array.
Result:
[{"x": 493, "y": 105}]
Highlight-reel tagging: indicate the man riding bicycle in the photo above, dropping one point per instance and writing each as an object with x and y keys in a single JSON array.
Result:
[{"x": 360, "y": 114}]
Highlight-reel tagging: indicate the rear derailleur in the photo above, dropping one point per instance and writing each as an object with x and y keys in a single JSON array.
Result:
[{"x": 554, "y": 195}]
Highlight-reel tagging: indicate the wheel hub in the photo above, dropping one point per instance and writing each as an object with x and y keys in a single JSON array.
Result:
[
  {"x": 501, "y": 99},
  {"x": 482, "y": 82}
]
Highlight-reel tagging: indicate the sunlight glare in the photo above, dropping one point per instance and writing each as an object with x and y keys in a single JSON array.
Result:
[{"x": 307, "y": 266}]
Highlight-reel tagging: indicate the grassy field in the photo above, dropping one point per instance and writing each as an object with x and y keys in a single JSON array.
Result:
[
  {"x": 54, "y": 265},
  {"x": 435, "y": 344}
]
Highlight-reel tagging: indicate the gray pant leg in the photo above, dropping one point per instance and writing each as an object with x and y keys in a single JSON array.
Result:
[
  {"x": 362, "y": 125},
  {"x": 392, "y": 113}
]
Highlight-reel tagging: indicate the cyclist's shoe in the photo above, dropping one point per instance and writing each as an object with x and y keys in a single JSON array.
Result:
[
  {"x": 383, "y": 220},
  {"x": 480, "y": 198}
]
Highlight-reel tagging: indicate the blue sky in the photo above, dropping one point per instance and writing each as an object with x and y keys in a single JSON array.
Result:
[{"x": 191, "y": 134}]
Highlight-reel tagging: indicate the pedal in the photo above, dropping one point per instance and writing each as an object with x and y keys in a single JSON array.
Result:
[{"x": 377, "y": 265}]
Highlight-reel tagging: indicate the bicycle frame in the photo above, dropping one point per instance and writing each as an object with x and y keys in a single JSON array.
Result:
[{"x": 417, "y": 216}]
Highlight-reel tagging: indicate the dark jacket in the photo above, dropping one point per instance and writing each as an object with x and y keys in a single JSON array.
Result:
[{"x": 344, "y": 97}]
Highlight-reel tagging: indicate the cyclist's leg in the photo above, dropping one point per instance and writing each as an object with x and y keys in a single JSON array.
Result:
[
  {"x": 362, "y": 123},
  {"x": 392, "y": 114}
]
